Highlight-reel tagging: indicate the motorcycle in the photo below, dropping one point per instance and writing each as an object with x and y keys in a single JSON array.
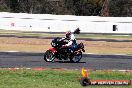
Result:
[{"x": 63, "y": 53}]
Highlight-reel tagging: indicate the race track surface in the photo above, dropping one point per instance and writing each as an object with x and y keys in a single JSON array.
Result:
[{"x": 90, "y": 61}]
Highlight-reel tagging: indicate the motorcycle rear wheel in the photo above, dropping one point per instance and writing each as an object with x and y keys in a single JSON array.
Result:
[
  {"x": 76, "y": 58},
  {"x": 49, "y": 56}
]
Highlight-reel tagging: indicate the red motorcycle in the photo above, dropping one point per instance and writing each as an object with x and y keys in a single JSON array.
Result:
[{"x": 62, "y": 53}]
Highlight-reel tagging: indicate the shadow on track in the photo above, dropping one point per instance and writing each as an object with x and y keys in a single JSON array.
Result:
[{"x": 66, "y": 62}]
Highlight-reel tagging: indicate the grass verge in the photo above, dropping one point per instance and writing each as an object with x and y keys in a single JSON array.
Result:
[{"x": 55, "y": 78}]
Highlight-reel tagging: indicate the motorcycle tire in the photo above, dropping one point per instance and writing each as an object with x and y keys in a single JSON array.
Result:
[
  {"x": 49, "y": 56},
  {"x": 76, "y": 57}
]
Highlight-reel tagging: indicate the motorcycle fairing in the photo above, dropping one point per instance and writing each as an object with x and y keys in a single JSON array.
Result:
[{"x": 53, "y": 50}]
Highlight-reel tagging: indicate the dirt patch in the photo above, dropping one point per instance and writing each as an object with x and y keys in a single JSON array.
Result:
[{"x": 41, "y": 45}]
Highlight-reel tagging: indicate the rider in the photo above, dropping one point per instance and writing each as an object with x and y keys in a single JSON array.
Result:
[{"x": 71, "y": 40}]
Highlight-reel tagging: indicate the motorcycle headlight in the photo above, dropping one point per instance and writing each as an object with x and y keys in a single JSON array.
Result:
[{"x": 53, "y": 44}]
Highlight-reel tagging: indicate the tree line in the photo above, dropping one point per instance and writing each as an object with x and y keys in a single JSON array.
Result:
[{"x": 116, "y": 8}]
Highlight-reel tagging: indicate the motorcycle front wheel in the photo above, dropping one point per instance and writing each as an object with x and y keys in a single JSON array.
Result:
[
  {"x": 76, "y": 58},
  {"x": 49, "y": 56}
]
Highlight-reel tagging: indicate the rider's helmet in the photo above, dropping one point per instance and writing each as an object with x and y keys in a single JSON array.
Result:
[{"x": 68, "y": 33}]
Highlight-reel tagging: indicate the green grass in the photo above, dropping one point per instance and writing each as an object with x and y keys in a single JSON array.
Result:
[
  {"x": 55, "y": 78},
  {"x": 97, "y": 36}
]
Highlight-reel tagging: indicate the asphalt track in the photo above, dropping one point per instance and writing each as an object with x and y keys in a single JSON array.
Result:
[{"x": 90, "y": 61}]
